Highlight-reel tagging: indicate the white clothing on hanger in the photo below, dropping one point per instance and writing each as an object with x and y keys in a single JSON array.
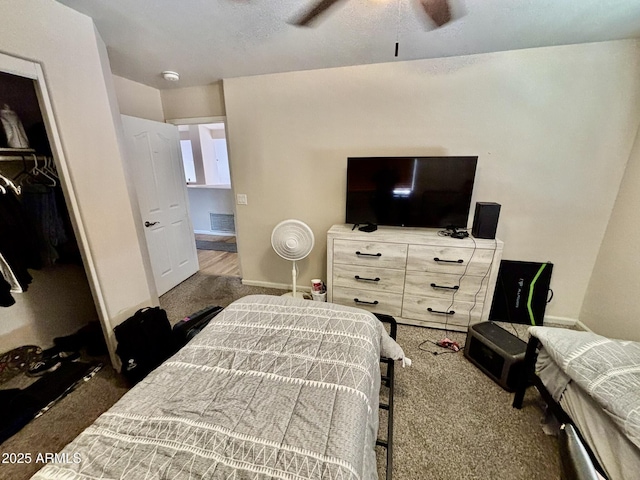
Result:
[{"x": 9, "y": 276}]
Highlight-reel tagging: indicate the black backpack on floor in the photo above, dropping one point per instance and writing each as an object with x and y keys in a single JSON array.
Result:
[{"x": 145, "y": 340}]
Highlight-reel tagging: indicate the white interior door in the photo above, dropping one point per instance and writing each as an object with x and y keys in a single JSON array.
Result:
[
  {"x": 153, "y": 148},
  {"x": 222, "y": 160}
]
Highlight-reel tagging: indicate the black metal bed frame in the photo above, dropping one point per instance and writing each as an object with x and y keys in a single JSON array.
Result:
[
  {"x": 388, "y": 379},
  {"x": 577, "y": 459}
]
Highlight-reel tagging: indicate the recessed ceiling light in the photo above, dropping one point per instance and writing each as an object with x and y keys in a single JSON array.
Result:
[{"x": 171, "y": 76}]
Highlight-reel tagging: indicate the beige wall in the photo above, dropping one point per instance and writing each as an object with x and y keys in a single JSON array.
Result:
[
  {"x": 138, "y": 100},
  {"x": 612, "y": 303},
  {"x": 65, "y": 44},
  {"x": 553, "y": 128},
  {"x": 193, "y": 102}
]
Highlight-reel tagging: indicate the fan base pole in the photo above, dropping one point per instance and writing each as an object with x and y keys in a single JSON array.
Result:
[{"x": 297, "y": 295}]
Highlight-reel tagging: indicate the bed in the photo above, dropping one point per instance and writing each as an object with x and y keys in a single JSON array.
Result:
[
  {"x": 593, "y": 384},
  {"x": 273, "y": 387}
]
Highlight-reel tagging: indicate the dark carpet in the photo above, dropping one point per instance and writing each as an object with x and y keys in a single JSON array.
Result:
[
  {"x": 217, "y": 246},
  {"x": 451, "y": 421},
  {"x": 50, "y": 432},
  {"x": 200, "y": 291}
]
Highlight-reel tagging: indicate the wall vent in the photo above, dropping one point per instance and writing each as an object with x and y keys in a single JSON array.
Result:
[{"x": 222, "y": 222}]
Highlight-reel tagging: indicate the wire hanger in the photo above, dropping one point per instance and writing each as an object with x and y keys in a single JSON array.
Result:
[
  {"x": 10, "y": 184},
  {"x": 25, "y": 173},
  {"x": 37, "y": 170},
  {"x": 35, "y": 174},
  {"x": 50, "y": 167}
]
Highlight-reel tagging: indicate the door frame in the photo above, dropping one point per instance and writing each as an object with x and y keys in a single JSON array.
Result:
[
  {"x": 34, "y": 71},
  {"x": 215, "y": 119}
]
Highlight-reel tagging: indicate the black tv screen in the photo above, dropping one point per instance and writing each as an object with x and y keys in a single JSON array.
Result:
[{"x": 432, "y": 192}]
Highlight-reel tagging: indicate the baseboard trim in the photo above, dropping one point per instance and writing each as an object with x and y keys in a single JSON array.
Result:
[
  {"x": 583, "y": 327},
  {"x": 214, "y": 232},
  {"x": 280, "y": 286},
  {"x": 560, "y": 321}
]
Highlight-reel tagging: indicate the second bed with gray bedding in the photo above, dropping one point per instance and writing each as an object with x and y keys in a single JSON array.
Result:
[{"x": 596, "y": 380}]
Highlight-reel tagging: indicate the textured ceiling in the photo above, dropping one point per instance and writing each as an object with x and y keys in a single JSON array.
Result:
[{"x": 207, "y": 40}]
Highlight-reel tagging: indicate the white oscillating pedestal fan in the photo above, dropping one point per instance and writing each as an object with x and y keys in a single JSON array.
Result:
[{"x": 293, "y": 240}]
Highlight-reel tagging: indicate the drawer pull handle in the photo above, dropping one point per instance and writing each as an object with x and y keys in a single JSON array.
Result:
[
  {"x": 450, "y": 312},
  {"x": 455, "y": 287},
  {"x": 375, "y": 302},
  {"x": 369, "y": 254},
  {"x": 436, "y": 259},
  {"x": 358, "y": 277}
]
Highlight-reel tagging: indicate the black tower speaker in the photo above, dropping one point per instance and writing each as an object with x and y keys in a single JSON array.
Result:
[{"x": 485, "y": 221}]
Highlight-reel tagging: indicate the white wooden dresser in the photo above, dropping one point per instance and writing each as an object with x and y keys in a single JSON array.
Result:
[{"x": 414, "y": 274}]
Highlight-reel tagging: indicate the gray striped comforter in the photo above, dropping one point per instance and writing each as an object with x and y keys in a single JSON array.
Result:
[
  {"x": 606, "y": 369},
  {"x": 273, "y": 387}
]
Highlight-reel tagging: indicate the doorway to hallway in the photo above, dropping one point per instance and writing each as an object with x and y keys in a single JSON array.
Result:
[
  {"x": 217, "y": 255},
  {"x": 211, "y": 201}
]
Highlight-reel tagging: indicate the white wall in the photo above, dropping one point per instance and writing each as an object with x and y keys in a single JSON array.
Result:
[
  {"x": 612, "y": 304},
  {"x": 65, "y": 44},
  {"x": 208, "y": 156},
  {"x": 203, "y": 201},
  {"x": 553, "y": 128}
]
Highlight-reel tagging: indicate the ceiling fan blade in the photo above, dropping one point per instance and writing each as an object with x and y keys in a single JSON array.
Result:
[
  {"x": 314, "y": 12},
  {"x": 437, "y": 10}
]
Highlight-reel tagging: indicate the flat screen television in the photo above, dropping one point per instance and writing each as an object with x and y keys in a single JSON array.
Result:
[{"x": 433, "y": 192}]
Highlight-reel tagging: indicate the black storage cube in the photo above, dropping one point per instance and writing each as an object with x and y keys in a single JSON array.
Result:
[{"x": 497, "y": 353}]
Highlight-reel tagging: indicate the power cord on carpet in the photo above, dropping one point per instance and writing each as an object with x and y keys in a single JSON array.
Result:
[
  {"x": 447, "y": 349},
  {"x": 514, "y": 330},
  {"x": 454, "y": 347}
]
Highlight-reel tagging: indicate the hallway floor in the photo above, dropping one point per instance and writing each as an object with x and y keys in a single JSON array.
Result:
[{"x": 218, "y": 263}]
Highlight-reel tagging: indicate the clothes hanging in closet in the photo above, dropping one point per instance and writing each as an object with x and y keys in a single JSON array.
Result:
[
  {"x": 18, "y": 246},
  {"x": 40, "y": 202}
]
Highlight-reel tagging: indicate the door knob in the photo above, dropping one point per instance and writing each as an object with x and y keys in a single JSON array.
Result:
[{"x": 150, "y": 224}]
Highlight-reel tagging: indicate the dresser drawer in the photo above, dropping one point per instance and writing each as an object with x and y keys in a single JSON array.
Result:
[
  {"x": 439, "y": 311},
  {"x": 443, "y": 285},
  {"x": 368, "y": 278},
  {"x": 378, "y": 302},
  {"x": 455, "y": 260},
  {"x": 372, "y": 254}
]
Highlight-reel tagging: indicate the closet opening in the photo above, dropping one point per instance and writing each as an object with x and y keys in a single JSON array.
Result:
[{"x": 50, "y": 331}]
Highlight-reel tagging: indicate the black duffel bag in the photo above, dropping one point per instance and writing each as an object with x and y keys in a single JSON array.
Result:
[
  {"x": 190, "y": 326},
  {"x": 145, "y": 340}
]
